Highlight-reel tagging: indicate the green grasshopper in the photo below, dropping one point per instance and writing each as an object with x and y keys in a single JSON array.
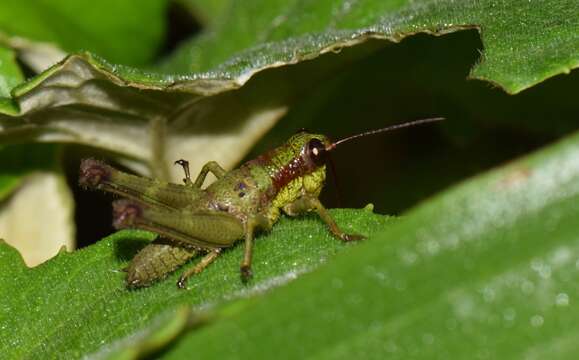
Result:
[{"x": 191, "y": 220}]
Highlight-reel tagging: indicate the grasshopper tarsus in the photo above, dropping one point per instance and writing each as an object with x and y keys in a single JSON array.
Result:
[
  {"x": 182, "y": 283},
  {"x": 246, "y": 273},
  {"x": 185, "y": 165},
  {"x": 182, "y": 162},
  {"x": 352, "y": 237}
]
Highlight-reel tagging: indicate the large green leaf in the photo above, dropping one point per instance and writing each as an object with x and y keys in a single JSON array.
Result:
[
  {"x": 519, "y": 38},
  {"x": 77, "y": 303},
  {"x": 488, "y": 269},
  {"x": 185, "y": 109},
  {"x": 272, "y": 32}
]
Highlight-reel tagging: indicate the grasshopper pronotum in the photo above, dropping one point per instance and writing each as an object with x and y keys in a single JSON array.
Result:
[{"x": 192, "y": 220}]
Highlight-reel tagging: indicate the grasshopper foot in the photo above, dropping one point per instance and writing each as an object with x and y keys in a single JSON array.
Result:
[
  {"x": 352, "y": 237},
  {"x": 182, "y": 282},
  {"x": 185, "y": 165},
  {"x": 246, "y": 273}
]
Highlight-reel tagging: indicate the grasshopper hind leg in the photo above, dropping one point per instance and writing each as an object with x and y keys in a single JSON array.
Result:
[
  {"x": 205, "y": 230},
  {"x": 96, "y": 174}
]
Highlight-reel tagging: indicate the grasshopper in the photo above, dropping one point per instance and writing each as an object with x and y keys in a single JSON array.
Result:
[{"x": 192, "y": 220}]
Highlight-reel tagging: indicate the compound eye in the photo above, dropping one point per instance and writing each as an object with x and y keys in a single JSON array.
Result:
[{"x": 316, "y": 151}]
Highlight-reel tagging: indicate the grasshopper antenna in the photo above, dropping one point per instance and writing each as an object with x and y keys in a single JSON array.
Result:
[{"x": 385, "y": 129}]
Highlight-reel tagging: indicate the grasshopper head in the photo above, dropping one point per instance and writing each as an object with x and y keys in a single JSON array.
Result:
[
  {"x": 299, "y": 164},
  {"x": 312, "y": 148}
]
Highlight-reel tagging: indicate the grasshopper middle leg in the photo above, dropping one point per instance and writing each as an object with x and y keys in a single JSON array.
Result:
[
  {"x": 212, "y": 166},
  {"x": 185, "y": 165}
]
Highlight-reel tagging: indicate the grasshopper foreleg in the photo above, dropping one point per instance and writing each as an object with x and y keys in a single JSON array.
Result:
[
  {"x": 202, "y": 264},
  {"x": 307, "y": 203}
]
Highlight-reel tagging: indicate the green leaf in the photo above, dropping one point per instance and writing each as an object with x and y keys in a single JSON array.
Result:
[
  {"x": 85, "y": 290},
  {"x": 126, "y": 32},
  {"x": 200, "y": 104},
  {"x": 10, "y": 74},
  {"x": 487, "y": 269},
  {"x": 519, "y": 38}
]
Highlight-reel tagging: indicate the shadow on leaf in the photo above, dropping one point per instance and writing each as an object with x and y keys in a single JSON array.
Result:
[{"x": 127, "y": 247}]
